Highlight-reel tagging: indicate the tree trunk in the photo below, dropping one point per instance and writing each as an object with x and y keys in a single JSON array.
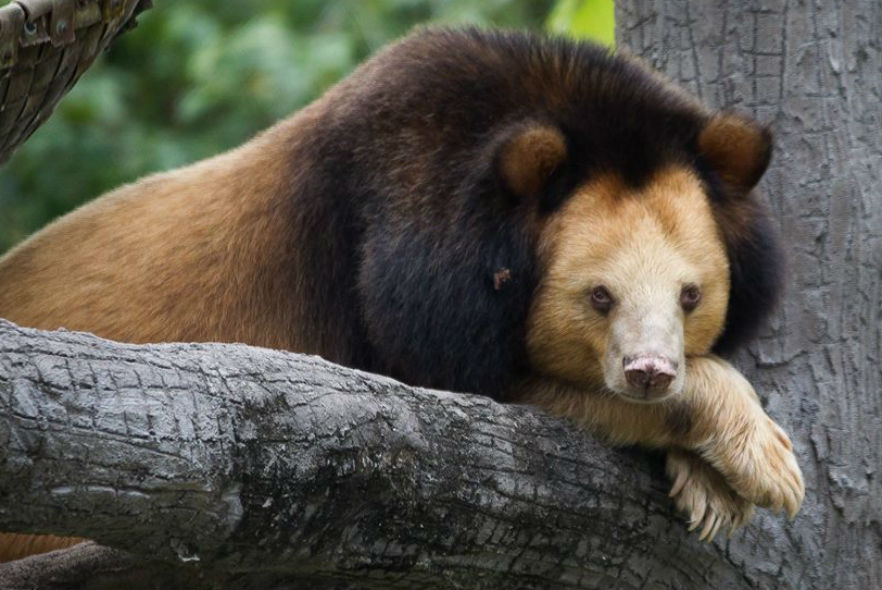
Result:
[{"x": 813, "y": 70}]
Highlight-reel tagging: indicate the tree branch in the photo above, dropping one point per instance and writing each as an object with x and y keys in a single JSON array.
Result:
[{"x": 246, "y": 465}]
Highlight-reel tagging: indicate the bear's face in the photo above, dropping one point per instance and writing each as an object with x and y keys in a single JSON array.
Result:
[{"x": 634, "y": 281}]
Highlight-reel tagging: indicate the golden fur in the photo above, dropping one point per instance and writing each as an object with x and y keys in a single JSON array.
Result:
[
  {"x": 71, "y": 273},
  {"x": 607, "y": 233},
  {"x": 15, "y": 546}
]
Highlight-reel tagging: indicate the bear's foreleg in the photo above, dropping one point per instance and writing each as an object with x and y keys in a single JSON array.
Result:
[
  {"x": 717, "y": 417},
  {"x": 734, "y": 434}
]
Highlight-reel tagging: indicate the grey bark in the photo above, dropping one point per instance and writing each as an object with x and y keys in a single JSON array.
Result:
[
  {"x": 246, "y": 467},
  {"x": 813, "y": 70}
]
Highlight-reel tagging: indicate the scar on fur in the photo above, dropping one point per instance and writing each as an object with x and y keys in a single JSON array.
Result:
[{"x": 500, "y": 278}]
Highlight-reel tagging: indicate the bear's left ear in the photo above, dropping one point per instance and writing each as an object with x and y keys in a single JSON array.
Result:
[
  {"x": 737, "y": 148},
  {"x": 527, "y": 157}
]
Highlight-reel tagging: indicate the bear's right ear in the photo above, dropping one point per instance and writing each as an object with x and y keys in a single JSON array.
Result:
[
  {"x": 528, "y": 155},
  {"x": 737, "y": 148}
]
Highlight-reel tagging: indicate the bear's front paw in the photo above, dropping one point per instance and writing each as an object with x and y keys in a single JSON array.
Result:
[
  {"x": 756, "y": 457},
  {"x": 702, "y": 494}
]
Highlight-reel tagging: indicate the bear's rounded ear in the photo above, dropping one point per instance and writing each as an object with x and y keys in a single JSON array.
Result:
[
  {"x": 737, "y": 148},
  {"x": 528, "y": 156}
]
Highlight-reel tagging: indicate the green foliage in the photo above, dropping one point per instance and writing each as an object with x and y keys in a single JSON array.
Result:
[
  {"x": 585, "y": 19},
  {"x": 198, "y": 77}
]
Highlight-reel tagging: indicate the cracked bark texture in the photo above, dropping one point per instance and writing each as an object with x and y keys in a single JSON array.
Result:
[
  {"x": 813, "y": 70},
  {"x": 232, "y": 466}
]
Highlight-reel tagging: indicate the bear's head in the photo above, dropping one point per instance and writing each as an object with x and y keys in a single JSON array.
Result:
[
  {"x": 538, "y": 206},
  {"x": 635, "y": 277}
]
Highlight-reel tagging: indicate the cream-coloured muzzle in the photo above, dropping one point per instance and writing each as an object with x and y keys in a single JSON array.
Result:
[{"x": 645, "y": 359}]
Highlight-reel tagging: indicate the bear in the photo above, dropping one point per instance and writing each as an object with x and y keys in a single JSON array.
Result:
[{"x": 502, "y": 213}]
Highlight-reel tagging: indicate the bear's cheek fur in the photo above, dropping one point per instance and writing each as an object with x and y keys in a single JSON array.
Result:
[{"x": 643, "y": 247}]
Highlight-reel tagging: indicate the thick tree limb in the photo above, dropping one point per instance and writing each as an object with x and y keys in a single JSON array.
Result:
[{"x": 250, "y": 467}]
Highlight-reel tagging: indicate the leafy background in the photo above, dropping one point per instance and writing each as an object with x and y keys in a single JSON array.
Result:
[{"x": 198, "y": 77}]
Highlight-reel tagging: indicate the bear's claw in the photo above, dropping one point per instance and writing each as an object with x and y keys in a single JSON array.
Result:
[{"x": 703, "y": 495}]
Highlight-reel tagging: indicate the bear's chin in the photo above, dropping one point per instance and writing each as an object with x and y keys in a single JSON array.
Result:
[
  {"x": 635, "y": 397},
  {"x": 638, "y": 396}
]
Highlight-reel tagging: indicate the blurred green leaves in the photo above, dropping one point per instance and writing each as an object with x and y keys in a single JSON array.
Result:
[
  {"x": 198, "y": 77},
  {"x": 585, "y": 19}
]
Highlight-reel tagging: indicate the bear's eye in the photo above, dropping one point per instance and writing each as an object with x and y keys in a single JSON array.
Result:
[
  {"x": 601, "y": 300},
  {"x": 690, "y": 297}
]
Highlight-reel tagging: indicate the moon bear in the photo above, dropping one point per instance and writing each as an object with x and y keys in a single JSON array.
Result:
[{"x": 533, "y": 219}]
